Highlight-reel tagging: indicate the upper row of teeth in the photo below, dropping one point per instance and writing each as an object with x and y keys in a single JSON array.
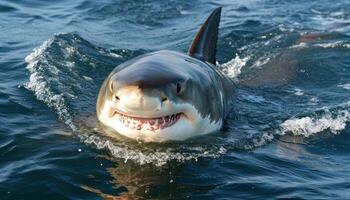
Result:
[{"x": 150, "y": 124}]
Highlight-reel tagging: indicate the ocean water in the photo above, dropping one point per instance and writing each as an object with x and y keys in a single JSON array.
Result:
[{"x": 286, "y": 137}]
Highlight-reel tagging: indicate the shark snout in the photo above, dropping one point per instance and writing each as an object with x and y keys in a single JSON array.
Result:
[{"x": 139, "y": 102}]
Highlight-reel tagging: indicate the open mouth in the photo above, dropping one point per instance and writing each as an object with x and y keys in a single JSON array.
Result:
[{"x": 151, "y": 124}]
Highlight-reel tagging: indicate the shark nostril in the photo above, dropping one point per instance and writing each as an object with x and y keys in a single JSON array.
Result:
[
  {"x": 178, "y": 88},
  {"x": 117, "y": 98},
  {"x": 164, "y": 99}
]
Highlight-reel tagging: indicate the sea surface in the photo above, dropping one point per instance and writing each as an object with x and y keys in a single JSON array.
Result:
[{"x": 286, "y": 137}]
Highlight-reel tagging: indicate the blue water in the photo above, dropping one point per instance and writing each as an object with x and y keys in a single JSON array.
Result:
[{"x": 287, "y": 135}]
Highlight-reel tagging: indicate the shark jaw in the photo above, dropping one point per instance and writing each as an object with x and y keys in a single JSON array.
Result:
[
  {"x": 180, "y": 123},
  {"x": 143, "y": 123}
]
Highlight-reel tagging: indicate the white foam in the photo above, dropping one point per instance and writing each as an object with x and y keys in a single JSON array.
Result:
[
  {"x": 156, "y": 157},
  {"x": 115, "y": 55},
  {"x": 39, "y": 85},
  {"x": 308, "y": 126},
  {"x": 37, "y": 52},
  {"x": 300, "y": 45},
  {"x": 261, "y": 61},
  {"x": 337, "y": 44},
  {"x": 313, "y": 100},
  {"x": 87, "y": 78},
  {"x": 258, "y": 141},
  {"x": 285, "y": 28},
  {"x": 344, "y": 86},
  {"x": 68, "y": 50},
  {"x": 233, "y": 67},
  {"x": 298, "y": 92}
]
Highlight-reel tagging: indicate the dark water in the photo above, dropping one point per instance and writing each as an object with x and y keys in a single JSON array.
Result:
[{"x": 287, "y": 136}]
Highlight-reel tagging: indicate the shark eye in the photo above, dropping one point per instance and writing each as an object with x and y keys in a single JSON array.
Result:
[
  {"x": 116, "y": 97},
  {"x": 178, "y": 88}
]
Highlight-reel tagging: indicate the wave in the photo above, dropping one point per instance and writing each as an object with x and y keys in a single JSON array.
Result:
[
  {"x": 325, "y": 120},
  {"x": 40, "y": 86},
  {"x": 158, "y": 157},
  {"x": 326, "y": 45},
  {"x": 333, "y": 120},
  {"x": 337, "y": 44},
  {"x": 66, "y": 72},
  {"x": 233, "y": 67}
]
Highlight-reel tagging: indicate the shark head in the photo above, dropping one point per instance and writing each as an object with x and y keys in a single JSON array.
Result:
[{"x": 167, "y": 95}]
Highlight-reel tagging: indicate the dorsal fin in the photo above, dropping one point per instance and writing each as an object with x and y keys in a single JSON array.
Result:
[{"x": 203, "y": 45}]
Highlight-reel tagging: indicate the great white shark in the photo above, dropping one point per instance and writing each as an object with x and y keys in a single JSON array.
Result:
[{"x": 168, "y": 95}]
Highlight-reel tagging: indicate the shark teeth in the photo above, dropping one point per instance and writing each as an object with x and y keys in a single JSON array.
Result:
[{"x": 151, "y": 124}]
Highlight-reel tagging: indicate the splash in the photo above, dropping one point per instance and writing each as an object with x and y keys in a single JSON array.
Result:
[
  {"x": 310, "y": 125},
  {"x": 37, "y": 64},
  {"x": 158, "y": 157},
  {"x": 233, "y": 67}
]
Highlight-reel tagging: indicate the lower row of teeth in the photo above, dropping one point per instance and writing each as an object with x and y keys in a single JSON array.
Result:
[{"x": 148, "y": 124}]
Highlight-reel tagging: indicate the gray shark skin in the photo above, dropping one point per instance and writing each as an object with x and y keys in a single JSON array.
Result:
[{"x": 168, "y": 95}]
